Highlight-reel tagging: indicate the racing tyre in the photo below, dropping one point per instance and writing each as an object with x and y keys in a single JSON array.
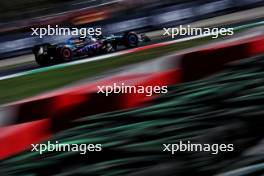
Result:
[
  {"x": 41, "y": 55},
  {"x": 131, "y": 40},
  {"x": 66, "y": 54}
]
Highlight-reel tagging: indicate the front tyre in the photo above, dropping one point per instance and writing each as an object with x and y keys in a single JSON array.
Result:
[{"x": 131, "y": 39}]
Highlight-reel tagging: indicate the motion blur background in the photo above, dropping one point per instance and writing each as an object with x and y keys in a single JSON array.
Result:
[
  {"x": 215, "y": 89},
  {"x": 114, "y": 16}
]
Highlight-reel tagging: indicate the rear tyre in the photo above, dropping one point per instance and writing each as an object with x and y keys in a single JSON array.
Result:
[
  {"x": 41, "y": 55},
  {"x": 66, "y": 54}
]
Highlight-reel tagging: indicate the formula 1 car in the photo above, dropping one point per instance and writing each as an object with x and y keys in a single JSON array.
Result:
[{"x": 74, "y": 48}]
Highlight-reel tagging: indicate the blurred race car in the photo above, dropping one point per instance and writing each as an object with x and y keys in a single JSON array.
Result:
[{"x": 74, "y": 48}]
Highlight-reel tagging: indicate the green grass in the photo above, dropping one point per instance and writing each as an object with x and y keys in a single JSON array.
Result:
[
  {"x": 29, "y": 85},
  {"x": 224, "y": 108}
]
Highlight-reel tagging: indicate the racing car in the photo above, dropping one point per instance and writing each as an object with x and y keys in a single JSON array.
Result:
[{"x": 74, "y": 48}]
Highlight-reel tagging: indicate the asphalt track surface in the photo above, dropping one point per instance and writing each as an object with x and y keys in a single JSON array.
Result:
[{"x": 27, "y": 62}]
